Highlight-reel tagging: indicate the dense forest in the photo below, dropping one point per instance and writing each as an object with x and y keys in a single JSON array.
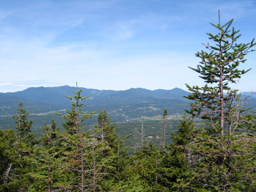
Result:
[{"x": 214, "y": 153}]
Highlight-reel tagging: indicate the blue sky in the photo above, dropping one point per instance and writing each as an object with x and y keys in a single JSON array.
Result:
[{"x": 114, "y": 44}]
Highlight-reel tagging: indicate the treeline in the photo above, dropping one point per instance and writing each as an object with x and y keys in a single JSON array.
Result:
[
  {"x": 152, "y": 128},
  {"x": 219, "y": 155},
  {"x": 75, "y": 160}
]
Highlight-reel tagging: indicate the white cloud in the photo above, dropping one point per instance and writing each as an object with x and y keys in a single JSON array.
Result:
[
  {"x": 108, "y": 44},
  {"x": 5, "y": 83}
]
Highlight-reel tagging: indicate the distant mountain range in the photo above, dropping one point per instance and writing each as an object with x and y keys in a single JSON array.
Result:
[
  {"x": 46, "y": 99},
  {"x": 131, "y": 103}
]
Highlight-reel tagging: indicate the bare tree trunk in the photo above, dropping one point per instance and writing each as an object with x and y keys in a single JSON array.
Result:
[
  {"x": 221, "y": 103},
  {"x": 118, "y": 159},
  {"x": 156, "y": 163},
  {"x": 82, "y": 164},
  {"x": 6, "y": 174},
  {"x": 94, "y": 170},
  {"x": 135, "y": 139},
  {"x": 19, "y": 129},
  {"x": 49, "y": 181},
  {"x": 102, "y": 136},
  {"x": 164, "y": 127},
  {"x": 221, "y": 89},
  {"x": 164, "y": 131},
  {"x": 142, "y": 134}
]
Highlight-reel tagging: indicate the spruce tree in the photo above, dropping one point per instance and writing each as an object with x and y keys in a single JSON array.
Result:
[
  {"x": 104, "y": 129},
  {"x": 7, "y": 154},
  {"x": 219, "y": 67},
  {"x": 146, "y": 168},
  {"x": 46, "y": 173},
  {"x": 175, "y": 170},
  {"x": 23, "y": 126},
  {"x": 76, "y": 143},
  {"x": 24, "y": 148},
  {"x": 221, "y": 157},
  {"x": 112, "y": 156}
]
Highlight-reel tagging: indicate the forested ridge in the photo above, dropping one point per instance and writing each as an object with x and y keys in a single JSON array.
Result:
[
  {"x": 129, "y": 103},
  {"x": 213, "y": 149}
]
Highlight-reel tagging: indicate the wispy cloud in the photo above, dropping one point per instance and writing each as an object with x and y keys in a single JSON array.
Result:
[
  {"x": 114, "y": 44},
  {"x": 21, "y": 85}
]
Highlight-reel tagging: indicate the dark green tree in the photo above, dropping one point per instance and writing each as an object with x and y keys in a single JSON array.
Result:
[
  {"x": 219, "y": 155},
  {"x": 76, "y": 142},
  {"x": 23, "y": 127},
  {"x": 219, "y": 67},
  {"x": 50, "y": 135},
  {"x": 114, "y": 153},
  {"x": 174, "y": 167},
  {"x": 145, "y": 167},
  {"x": 24, "y": 148},
  {"x": 7, "y": 153},
  {"x": 46, "y": 172},
  {"x": 104, "y": 130}
]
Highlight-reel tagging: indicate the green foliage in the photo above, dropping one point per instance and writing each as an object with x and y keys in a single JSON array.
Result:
[
  {"x": 91, "y": 160},
  {"x": 222, "y": 156},
  {"x": 145, "y": 165},
  {"x": 104, "y": 130},
  {"x": 22, "y": 126},
  {"x": 16, "y": 174},
  {"x": 76, "y": 115},
  {"x": 216, "y": 101},
  {"x": 185, "y": 132},
  {"x": 46, "y": 173},
  {"x": 7, "y": 140},
  {"x": 165, "y": 113},
  {"x": 174, "y": 166},
  {"x": 75, "y": 145},
  {"x": 218, "y": 166}
]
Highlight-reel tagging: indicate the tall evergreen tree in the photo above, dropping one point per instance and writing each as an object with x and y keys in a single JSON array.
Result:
[
  {"x": 24, "y": 147},
  {"x": 76, "y": 143},
  {"x": 7, "y": 153},
  {"x": 23, "y": 127},
  {"x": 114, "y": 153},
  {"x": 46, "y": 173},
  {"x": 175, "y": 170},
  {"x": 145, "y": 167},
  {"x": 216, "y": 101},
  {"x": 219, "y": 156},
  {"x": 104, "y": 129}
]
